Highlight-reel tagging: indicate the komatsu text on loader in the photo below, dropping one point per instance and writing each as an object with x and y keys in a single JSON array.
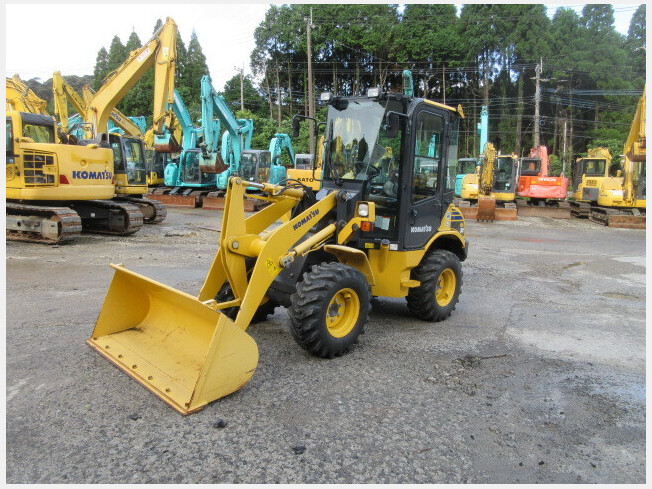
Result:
[{"x": 378, "y": 227}]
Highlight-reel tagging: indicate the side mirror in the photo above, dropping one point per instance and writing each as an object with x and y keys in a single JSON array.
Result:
[
  {"x": 393, "y": 124},
  {"x": 295, "y": 127}
]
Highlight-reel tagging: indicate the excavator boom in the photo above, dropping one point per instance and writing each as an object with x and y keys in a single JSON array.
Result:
[{"x": 159, "y": 52}]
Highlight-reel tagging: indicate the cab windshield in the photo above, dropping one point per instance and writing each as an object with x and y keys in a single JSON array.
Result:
[
  {"x": 503, "y": 170},
  {"x": 593, "y": 167},
  {"x": 40, "y": 134},
  {"x": 354, "y": 139},
  {"x": 466, "y": 166},
  {"x": 530, "y": 166}
]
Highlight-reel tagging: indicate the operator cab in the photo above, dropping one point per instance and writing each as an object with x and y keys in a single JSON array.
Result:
[
  {"x": 129, "y": 159},
  {"x": 589, "y": 167},
  {"x": 530, "y": 167},
  {"x": 303, "y": 161},
  {"x": 406, "y": 174},
  {"x": 191, "y": 164},
  {"x": 156, "y": 162},
  {"x": 255, "y": 165},
  {"x": 505, "y": 174}
]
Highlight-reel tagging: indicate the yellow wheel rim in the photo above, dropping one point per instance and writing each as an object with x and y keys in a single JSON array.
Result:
[
  {"x": 342, "y": 312},
  {"x": 445, "y": 287}
]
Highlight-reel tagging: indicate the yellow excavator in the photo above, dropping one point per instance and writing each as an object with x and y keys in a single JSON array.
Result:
[
  {"x": 490, "y": 192},
  {"x": 588, "y": 174},
  {"x": 621, "y": 199},
  {"x": 55, "y": 190},
  {"x": 21, "y": 98},
  {"x": 129, "y": 151},
  {"x": 63, "y": 93},
  {"x": 356, "y": 238}
]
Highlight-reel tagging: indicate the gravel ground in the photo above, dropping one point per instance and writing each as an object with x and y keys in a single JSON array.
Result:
[{"x": 537, "y": 377}]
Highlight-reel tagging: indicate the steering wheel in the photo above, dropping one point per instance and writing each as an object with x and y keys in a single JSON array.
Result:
[{"x": 369, "y": 170}]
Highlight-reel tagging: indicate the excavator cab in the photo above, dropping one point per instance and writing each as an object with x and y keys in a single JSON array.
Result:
[
  {"x": 465, "y": 166},
  {"x": 530, "y": 167},
  {"x": 255, "y": 165},
  {"x": 156, "y": 163},
  {"x": 383, "y": 224},
  {"x": 303, "y": 161},
  {"x": 506, "y": 173},
  {"x": 130, "y": 166}
]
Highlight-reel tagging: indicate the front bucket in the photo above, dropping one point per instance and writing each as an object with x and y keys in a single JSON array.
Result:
[{"x": 183, "y": 351}]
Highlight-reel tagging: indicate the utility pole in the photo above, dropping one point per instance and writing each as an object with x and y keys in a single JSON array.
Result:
[
  {"x": 241, "y": 85},
  {"x": 563, "y": 161},
  {"x": 242, "y": 88},
  {"x": 311, "y": 98},
  {"x": 537, "y": 100},
  {"x": 443, "y": 81}
]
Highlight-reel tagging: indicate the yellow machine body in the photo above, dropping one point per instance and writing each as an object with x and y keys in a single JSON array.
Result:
[
  {"x": 590, "y": 181},
  {"x": 182, "y": 348},
  {"x": 629, "y": 191},
  {"x": 40, "y": 169},
  {"x": 470, "y": 186},
  {"x": 310, "y": 176}
]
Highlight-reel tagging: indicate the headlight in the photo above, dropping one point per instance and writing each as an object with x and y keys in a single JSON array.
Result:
[
  {"x": 363, "y": 210},
  {"x": 326, "y": 96},
  {"x": 373, "y": 92}
]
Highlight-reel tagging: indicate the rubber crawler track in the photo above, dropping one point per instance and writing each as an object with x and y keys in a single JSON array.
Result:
[
  {"x": 70, "y": 224},
  {"x": 160, "y": 212}
]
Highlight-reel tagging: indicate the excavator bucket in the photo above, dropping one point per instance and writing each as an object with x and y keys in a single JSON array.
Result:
[
  {"x": 173, "y": 344},
  {"x": 486, "y": 208}
]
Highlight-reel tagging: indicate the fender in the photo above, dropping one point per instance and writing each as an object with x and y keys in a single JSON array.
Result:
[{"x": 354, "y": 258}]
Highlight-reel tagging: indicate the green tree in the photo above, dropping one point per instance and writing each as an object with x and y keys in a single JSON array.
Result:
[
  {"x": 117, "y": 54},
  {"x": 635, "y": 45},
  {"x": 195, "y": 67},
  {"x": 253, "y": 101},
  {"x": 138, "y": 101},
  {"x": 101, "y": 67}
]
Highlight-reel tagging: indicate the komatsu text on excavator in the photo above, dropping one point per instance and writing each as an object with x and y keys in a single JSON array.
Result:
[{"x": 379, "y": 226}]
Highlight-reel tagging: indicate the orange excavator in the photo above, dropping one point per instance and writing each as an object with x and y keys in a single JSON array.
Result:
[{"x": 546, "y": 194}]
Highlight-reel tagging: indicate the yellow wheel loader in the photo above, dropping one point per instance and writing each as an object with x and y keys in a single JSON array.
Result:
[{"x": 377, "y": 227}]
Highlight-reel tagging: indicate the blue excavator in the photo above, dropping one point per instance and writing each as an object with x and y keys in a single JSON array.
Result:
[
  {"x": 185, "y": 183},
  {"x": 235, "y": 158}
]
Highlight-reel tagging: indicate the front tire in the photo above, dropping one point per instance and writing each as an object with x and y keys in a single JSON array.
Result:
[
  {"x": 329, "y": 309},
  {"x": 440, "y": 274}
]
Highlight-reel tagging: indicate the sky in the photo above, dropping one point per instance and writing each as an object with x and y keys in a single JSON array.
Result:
[{"x": 225, "y": 32}]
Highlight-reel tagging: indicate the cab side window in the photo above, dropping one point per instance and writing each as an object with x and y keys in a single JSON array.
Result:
[
  {"x": 10, "y": 136},
  {"x": 427, "y": 155}
]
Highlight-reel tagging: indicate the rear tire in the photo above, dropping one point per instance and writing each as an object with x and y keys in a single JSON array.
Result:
[
  {"x": 440, "y": 274},
  {"x": 329, "y": 309}
]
